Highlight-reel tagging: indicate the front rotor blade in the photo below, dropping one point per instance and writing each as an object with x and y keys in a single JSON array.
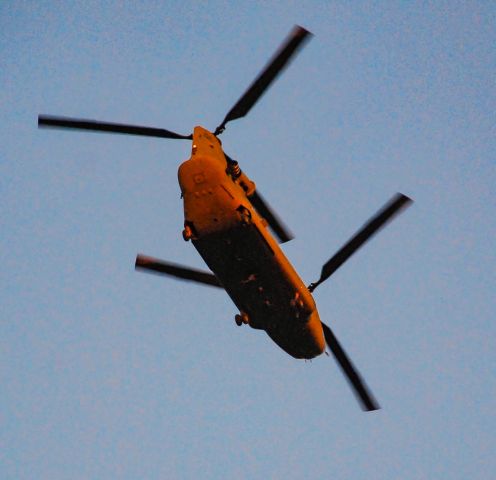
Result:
[
  {"x": 367, "y": 400},
  {"x": 392, "y": 208},
  {"x": 281, "y": 59},
  {"x": 154, "y": 265},
  {"x": 95, "y": 126},
  {"x": 262, "y": 207}
]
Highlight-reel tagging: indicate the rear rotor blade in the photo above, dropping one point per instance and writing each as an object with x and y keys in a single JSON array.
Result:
[
  {"x": 95, "y": 126},
  {"x": 288, "y": 49},
  {"x": 367, "y": 400},
  {"x": 392, "y": 208},
  {"x": 154, "y": 265},
  {"x": 262, "y": 207}
]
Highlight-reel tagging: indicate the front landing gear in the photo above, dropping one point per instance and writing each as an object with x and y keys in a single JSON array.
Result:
[
  {"x": 242, "y": 318},
  {"x": 297, "y": 305}
]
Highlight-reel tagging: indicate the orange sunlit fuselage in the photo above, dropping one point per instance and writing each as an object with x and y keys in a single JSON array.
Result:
[{"x": 235, "y": 243}]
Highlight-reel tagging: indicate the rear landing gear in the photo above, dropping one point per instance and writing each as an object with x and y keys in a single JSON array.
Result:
[
  {"x": 241, "y": 318},
  {"x": 187, "y": 233},
  {"x": 244, "y": 215}
]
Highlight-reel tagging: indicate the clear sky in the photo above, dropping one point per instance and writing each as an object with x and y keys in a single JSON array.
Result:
[{"x": 108, "y": 373}]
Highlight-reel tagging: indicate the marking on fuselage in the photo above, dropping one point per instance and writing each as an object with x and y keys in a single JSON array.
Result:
[{"x": 199, "y": 178}]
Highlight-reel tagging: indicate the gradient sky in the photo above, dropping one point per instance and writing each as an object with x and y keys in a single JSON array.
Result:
[{"x": 108, "y": 373}]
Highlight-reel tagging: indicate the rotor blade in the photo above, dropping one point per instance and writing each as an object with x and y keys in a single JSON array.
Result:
[
  {"x": 367, "y": 400},
  {"x": 392, "y": 208},
  {"x": 276, "y": 65},
  {"x": 154, "y": 265},
  {"x": 95, "y": 126},
  {"x": 262, "y": 207}
]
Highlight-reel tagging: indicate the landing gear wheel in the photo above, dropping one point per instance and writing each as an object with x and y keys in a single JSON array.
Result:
[
  {"x": 241, "y": 318},
  {"x": 187, "y": 233},
  {"x": 244, "y": 215}
]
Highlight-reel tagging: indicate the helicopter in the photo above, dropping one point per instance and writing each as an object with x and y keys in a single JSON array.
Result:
[{"x": 237, "y": 233}]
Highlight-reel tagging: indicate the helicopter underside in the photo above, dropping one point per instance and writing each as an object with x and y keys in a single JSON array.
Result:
[
  {"x": 227, "y": 219},
  {"x": 254, "y": 277}
]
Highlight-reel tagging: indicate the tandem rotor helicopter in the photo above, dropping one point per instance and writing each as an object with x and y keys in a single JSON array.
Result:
[{"x": 227, "y": 220}]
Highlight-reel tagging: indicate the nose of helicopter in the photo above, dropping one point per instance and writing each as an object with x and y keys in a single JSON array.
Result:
[
  {"x": 302, "y": 341},
  {"x": 317, "y": 344}
]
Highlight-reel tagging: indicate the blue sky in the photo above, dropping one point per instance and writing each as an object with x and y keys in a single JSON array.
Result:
[{"x": 110, "y": 373}]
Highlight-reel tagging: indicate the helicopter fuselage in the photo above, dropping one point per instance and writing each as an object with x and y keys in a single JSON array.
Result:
[
  {"x": 228, "y": 221},
  {"x": 236, "y": 244}
]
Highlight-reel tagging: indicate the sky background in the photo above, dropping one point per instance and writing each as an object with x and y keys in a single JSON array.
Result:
[{"x": 110, "y": 373}]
